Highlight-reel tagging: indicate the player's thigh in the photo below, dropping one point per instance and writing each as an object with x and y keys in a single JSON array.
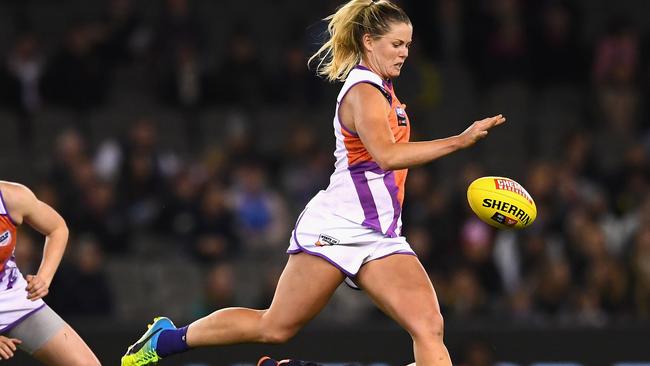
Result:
[
  {"x": 305, "y": 286},
  {"x": 400, "y": 287},
  {"x": 66, "y": 348}
]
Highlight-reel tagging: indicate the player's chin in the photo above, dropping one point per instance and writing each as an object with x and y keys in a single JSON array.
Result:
[{"x": 395, "y": 71}]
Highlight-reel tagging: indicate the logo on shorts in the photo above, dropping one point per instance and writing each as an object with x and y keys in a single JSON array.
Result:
[
  {"x": 324, "y": 240},
  {"x": 5, "y": 238}
]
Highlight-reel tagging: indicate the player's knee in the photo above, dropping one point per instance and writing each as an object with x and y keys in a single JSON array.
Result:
[
  {"x": 279, "y": 334},
  {"x": 429, "y": 327},
  {"x": 276, "y": 332}
]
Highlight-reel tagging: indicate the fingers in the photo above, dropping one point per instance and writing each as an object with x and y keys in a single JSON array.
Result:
[
  {"x": 496, "y": 120},
  {"x": 37, "y": 293},
  {"x": 30, "y": 282},
  {"x": 487, "y": 123},
  {"x": 36, "y": 288},
  {"x": 7, "y": 350}
]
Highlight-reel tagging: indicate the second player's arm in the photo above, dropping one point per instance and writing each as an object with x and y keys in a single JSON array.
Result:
[{"x": 43, "y": 218}]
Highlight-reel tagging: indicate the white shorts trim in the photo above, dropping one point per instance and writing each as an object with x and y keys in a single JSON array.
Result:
[{"x": 343, "y": 243}]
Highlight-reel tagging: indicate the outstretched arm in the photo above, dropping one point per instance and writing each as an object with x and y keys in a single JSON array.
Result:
[
  {"x": 365, "y": 110},
  {"x": 25, "y": 207}
]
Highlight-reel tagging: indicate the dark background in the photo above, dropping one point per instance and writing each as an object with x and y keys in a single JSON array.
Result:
[{"x": 180, "y": 139}]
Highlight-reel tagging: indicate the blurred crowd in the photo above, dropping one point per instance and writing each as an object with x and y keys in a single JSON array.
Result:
[{"x": 226, "y": 207}]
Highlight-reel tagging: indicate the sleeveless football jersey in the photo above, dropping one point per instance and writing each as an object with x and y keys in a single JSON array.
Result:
[
  {"x": 359, "y": 189},
  {"x": 7, "y": 235},
  {"x": 14, "y": 305}
]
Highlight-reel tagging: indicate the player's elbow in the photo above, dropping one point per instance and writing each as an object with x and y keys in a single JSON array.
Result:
[
  {"x": 387, "y": 161},
  {"x": 384, "y": 164},
  {"x": 61, "y": 233},
  {"x": 63, "y": 230}
]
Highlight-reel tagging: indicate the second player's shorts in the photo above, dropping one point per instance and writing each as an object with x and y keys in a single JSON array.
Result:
[
  {"x": 33, "y": 322},
  {"x": 37, "y": 329},
  {"x": 14, "y": 305},
  {"x": 343, "y": 243}
]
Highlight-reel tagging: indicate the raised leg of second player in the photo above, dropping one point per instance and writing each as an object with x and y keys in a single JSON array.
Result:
[{"x": 305, "y": 287}]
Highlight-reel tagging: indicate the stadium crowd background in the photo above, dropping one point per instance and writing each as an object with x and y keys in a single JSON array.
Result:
[{"x": 180, "y": 139}]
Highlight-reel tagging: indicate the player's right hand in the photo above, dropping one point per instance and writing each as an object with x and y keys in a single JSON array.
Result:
[
  {"x": 8, "y": 347},
  {"x": 479, "y": 130}
]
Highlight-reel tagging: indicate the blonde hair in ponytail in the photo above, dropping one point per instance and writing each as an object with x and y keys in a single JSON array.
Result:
[{"x": 346, "y": 27}]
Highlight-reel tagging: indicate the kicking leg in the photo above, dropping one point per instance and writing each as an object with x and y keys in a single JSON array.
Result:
[{"x": 306, "y": 285}]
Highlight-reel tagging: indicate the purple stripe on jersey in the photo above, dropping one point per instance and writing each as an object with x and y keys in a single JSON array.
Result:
[
  {"x": 387, "y": 84},
  {"x": 370, "y": 213},
  {"x": 389, "y": 181},
  {"x": 13, "y": 276},
  {"x": 6, "y": 209},
  {"x": 12, "y": 279},
  {"x": 302, "y": 249},
  {"x": 347, "y": 129},
  {"x": 19, "y": 320}
]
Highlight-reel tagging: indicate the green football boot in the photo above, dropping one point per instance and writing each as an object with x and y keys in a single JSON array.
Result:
[{"x": 143, "y": 352}]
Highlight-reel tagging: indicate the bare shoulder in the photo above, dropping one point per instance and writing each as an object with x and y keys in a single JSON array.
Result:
[
  {"x": 365, "y": 98},
  {"x": 366, "y": 91},
  {"x": 14, "y": 189},
  {"x": 17, "y": 198}
]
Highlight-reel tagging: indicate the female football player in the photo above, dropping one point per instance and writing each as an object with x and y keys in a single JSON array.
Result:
[
  {"x": 352, "y": 230},
  {"x": 26, "y": 322}
]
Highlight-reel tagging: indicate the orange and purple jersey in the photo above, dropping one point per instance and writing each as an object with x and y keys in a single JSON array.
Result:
[
  {"x": 7, "y": 235},
  {"x": 14, "y": 305},
  {"x": 359, "y": 189},
  {"x": 7, "y": 240}
]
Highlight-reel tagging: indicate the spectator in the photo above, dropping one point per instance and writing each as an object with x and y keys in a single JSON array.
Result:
[
  {"x": 22, "y": 74},
  {"x": 78, "y": 77},
  {"x": 82, "y": 287},
  {"x": 214, "y": 237},
  {"x": 558, "y": 57},
  {"x": 219, "y": 289},
  {"x": 261, "y": 214},
  {"x": 242, "y": 81}
]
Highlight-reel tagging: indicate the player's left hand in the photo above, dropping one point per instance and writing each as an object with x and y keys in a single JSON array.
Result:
[{"x": 37, "y": 288}]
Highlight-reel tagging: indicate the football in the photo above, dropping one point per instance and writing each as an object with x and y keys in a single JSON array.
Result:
[{"x": 501, "y": 202}]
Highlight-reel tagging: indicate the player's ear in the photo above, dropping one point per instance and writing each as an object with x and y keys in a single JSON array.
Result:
[{"x": 368, "y": 42}]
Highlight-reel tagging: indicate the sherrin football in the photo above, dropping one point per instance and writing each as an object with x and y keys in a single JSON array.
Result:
[{"x": 501, "y": 202}]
